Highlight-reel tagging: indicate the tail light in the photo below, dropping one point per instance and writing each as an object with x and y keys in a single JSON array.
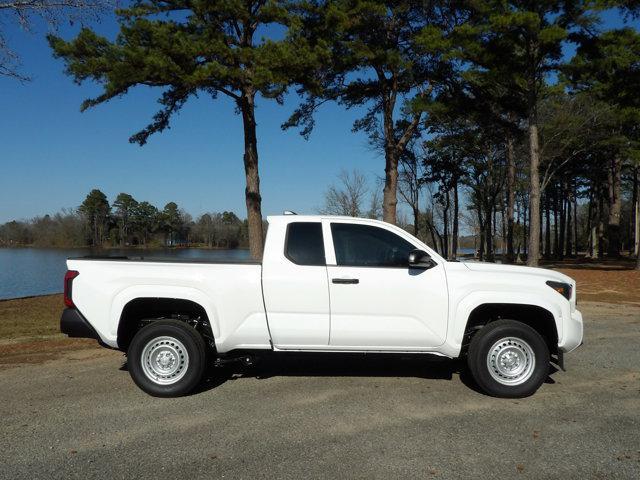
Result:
[{"x": 68, "y": 284}]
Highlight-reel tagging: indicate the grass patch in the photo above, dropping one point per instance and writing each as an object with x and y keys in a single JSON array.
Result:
[{"x": 31, "y": 317}]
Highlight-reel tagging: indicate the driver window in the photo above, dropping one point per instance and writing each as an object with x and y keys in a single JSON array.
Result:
[{"x": 367, "y": 246}]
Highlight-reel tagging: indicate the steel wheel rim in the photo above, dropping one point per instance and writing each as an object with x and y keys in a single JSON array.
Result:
[
  {"x": 511, "y": 361},
  {"x": 164, "y": 360}
]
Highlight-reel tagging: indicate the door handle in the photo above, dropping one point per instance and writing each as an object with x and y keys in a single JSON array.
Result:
[{"x": 345, "y": 281}]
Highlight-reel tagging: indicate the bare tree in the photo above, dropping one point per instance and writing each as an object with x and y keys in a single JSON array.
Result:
[
  {"x": 410, "y": 185},
  {"x": 348, "y": 196},
  {"x": 375, "y": 205},
  {"x": 53, "y": 12}
]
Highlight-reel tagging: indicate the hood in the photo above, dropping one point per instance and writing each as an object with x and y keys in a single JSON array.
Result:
[{"x": 517, "y": 269}]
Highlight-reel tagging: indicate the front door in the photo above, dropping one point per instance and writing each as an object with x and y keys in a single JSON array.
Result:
[{"x": 377, "y": 301}]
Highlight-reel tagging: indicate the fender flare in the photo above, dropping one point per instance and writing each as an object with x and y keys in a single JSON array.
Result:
[
  {"x": 194, "y": 295},
  {"x": 461, "y": 310}
]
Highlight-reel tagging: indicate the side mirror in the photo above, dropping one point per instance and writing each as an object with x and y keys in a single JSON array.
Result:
[{"x": 420, "y": 259}]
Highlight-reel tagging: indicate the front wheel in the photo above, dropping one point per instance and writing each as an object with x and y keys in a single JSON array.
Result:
[
  {"x": 508, "y": 359},
  {"x": 167, "y": 358}
]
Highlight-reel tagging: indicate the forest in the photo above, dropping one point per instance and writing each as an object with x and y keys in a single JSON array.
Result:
[
  {"x": 514, "y": 121},
  {"x": 125, "y": 223}
]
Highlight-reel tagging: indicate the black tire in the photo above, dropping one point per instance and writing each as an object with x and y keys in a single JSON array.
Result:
[
  {"x": 525, "y": 340},
  {"x": 187, "y": 346}
]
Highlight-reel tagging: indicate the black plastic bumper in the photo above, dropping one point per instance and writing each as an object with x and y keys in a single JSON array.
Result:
[{"x": 73, "y": 324}]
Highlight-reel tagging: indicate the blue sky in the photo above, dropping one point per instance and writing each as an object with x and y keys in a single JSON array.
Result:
[{"x": 51, "y": 155}]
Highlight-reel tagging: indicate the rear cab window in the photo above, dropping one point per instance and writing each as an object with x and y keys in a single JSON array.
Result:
[{"x": 304, "y": 244}]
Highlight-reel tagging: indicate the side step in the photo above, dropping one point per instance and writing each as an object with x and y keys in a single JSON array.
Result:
[{"x": 246, "y": 360}]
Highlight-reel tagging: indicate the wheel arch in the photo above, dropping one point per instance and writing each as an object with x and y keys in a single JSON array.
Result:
[
  {"x": 140, "y": 311},
  {"x": 159, "y": 293},
  {"x": 537, "y": 317}
]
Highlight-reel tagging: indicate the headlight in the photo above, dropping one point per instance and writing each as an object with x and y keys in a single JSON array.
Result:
[{"x": 563, "y": 289}]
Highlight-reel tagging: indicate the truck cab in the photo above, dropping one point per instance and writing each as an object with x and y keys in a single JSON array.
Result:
[{"x": 346, "y": 284}]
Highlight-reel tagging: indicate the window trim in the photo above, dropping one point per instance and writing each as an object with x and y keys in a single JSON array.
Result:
[
  {"x": 381, "y": 227},
  {"x": 286, "y": 244}
]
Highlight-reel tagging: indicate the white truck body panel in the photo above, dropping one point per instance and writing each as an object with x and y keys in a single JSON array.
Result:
[
  {"x": 231, "y": 295},
  {"x": 285, "y": 306}
]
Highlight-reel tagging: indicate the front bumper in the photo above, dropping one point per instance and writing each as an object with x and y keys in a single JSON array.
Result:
[
  {"x": 73, "y": 324},
  {"x": 572, "y": 332}
]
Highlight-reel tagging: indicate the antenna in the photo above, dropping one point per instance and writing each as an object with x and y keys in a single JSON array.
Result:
[{"x": 289, "y": 212}]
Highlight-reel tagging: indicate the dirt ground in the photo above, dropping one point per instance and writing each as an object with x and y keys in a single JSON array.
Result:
[{"x": 611, "y": 286}]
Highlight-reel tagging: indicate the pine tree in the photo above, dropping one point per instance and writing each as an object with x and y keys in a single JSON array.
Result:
[
  {"x": 188, "y": 49},
  {"x": 96, "y": 209},
  {"x": 521, "y": 43},
  {"x": 383, "y": 55}
]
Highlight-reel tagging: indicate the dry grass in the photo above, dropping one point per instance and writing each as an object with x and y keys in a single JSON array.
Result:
[
  {"x": 606, "y": 285},
  {"x": 30, "y": 317},
  {"x": 30, "y": 330}
]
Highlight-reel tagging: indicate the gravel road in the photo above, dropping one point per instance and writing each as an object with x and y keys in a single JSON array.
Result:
[{"x": 81, "y": 416}]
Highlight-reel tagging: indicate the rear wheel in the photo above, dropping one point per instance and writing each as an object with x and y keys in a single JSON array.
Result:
[
  {"x": 508, "y": 359},
  {"x": 167, "y": 358}
]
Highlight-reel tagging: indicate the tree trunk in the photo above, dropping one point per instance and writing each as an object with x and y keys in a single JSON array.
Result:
[
  {"x": 434, "y": 238},
  {"x": 96, "y": 238},
  {"x": 569, "y": 246},
  {"x": 416, "y": 220},
  {"x": 489, "y": 232},
  {"x": 511, "y": 196},
  {"x": 252, "y": 190},
  {"x": 503, "y": 233},
  {"x": 534, "y": 191},
  {"x": 590, "y": 244},
  {"x": 495, "y": 226},
  {"x": 556, "y": 222},
  {"x": 547, "y": 231},
  {"x": 389, "y": 195},
  {"x": 615, "y": 206},
  {"x": 482, "y": 232},
  {"x": 562, "y": 212},
  {"x": 432, "y": 230},
  {"x": 123, "y": 234},
  {"x": 454, "y": 243},
  {"x": 636, "y": 216},
  {"x": 600, "y": 229},
  {"x": 575, "y": 218},
  {"x": 445, "y": 221},
  {"x": 525, "y": 228}
]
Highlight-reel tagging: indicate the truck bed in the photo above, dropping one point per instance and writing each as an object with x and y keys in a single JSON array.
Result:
[{"x": 229, "y": 292}]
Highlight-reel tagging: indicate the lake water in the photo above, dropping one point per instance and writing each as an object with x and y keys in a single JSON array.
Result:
[{"x": 39, "y": 271}]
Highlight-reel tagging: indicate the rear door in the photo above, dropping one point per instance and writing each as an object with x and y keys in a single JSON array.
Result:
[
  {"x": 295, "y": 286},
  {"x": 377, "y": 301}
]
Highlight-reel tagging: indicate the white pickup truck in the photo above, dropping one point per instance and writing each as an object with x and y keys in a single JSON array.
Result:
[{"x": 325, "y": 284}]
